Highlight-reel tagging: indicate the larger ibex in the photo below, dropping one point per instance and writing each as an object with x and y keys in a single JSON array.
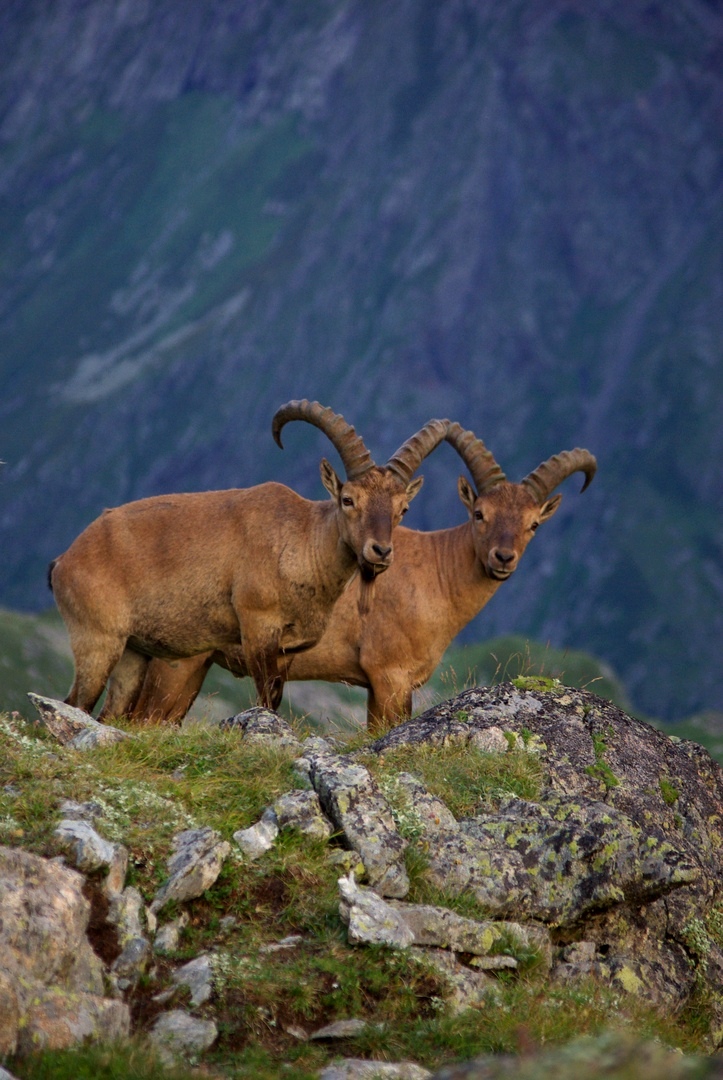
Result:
[
  {"x": 249, "y": 571},
  {"x": 439, "y": 582}
]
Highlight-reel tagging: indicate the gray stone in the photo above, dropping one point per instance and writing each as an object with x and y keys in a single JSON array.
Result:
[
  {"x": 197, "y": 975},
  {"x": 89, "y": 852},
  {"x": 263, "y": 726},
  {"x": 289, "y": 942},
  {"x": 352, "y": 801},
  {"x": 177, "y": 1035},
  {"x": 341, "y": 1029},
  {"x": 492, "y": 740},
  {"x": 363, "y": 1069},
  {"x": 166, "y": 939},
  {"x": 258, "y": 838},
  {"x": 369, "y": 918},
  {"x": 467, "y": 988},
  {"x": 85, "y": 811},
  {"x": 302, "y": 810},
  {"x": 73, "y": 727},
  {"x": 194, "y": 866}
]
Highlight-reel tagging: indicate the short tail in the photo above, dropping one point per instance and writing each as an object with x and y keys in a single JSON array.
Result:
[{"x": 51, "y": 567}]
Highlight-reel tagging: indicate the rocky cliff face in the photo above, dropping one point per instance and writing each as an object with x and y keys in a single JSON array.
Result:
[{"x": 510, "y": 216}]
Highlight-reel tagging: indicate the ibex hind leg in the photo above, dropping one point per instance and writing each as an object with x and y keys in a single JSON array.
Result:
[
  {"x": 124, "y": 685},
  {"x": 170, "y": 688},
  {"x": 95, "y": 658}
]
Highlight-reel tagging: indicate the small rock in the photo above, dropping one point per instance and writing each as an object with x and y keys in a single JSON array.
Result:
[
  {"x": 302, "y": 810},
  {"x": 89, "y": 852},
  {"x": 259, "y": 725},
  {"x": 342, "y": 1029},
  {"x": 198, "y": 977},
  {"x": 363, "y": 1069},
  {"x": 73, "y": 727},
  {"x": 295, "y": 1031},
  {"x": 85, "y": 811},
  {"x": 259, "y": 838},
  {"x": 467, "y": 988},
  {"x": 166, "y": 939},
  {"x": 194, "y": 866},
  {"x": 369, "y": 918},
  {"x": 176, "y": 1035},
  {"x": 289, "y": 942},
  {"x": 492, "y": 740},
  {"x": 132, "y": 962}
]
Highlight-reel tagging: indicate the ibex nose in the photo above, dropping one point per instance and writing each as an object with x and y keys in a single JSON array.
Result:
[
  {"x": 381, "y": 551},
  {"x": 501, "y": 555}
]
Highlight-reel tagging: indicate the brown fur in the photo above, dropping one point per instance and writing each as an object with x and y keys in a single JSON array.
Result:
[
  {"x": 438, "y": 583},
  {"x": 250, "y": 571}
]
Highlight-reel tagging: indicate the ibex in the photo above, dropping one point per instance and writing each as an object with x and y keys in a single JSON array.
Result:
[
  {"x": 439, "y": 582},
  {"x": 253, "y": 572}
]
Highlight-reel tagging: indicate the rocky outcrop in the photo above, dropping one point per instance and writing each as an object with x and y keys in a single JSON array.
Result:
[
  {"x": 621, "y": 856},
  {"x": 613, "y": 869},
  {"x": 52, "y": 991}
]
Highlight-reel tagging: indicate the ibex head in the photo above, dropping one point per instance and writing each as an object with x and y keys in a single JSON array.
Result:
[
  {"x": 373, "y": 499},
  {"x": 505, "y": 516}
]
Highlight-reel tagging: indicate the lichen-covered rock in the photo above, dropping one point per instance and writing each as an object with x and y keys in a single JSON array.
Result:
[
  {"x": 194, "y": 866},
  {"x": 51, "y": 981},
  {"x": 354, "y": 804},
  {"x": 466, "y": 988},
  {"x": 73, "y": 727},
  {"x": 557, "y": 860},
  {"x": 260, "y": 837},
  {"x": 177, "y": 1035},
  {"x": 369, "y": 918},
  {"x": 90, "y": 852},
  {"x": 259, "y": 725},
  {"x": 302, "y": 810},
  {"x": 623, "y": 848},
  {"x": 197, "y": 975}
]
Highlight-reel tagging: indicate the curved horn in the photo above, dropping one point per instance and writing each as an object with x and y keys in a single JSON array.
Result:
[
  {"x": 480, "y": 461},
  {"x": 412, "y": 453},
  {"x": 552, "y": 472},
  {"x": 350, "y": 446}
]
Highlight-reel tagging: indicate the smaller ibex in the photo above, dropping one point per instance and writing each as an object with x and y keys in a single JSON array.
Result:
[
  {"x": 253, "y": 572},
  {"x": 439, "y": 582}
]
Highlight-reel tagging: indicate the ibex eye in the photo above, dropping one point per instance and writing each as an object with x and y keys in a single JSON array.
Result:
[
  {"x": 347, "y": 501},
  {"x": 478, "y": 515},
  {"x": 535, "y": 526}
]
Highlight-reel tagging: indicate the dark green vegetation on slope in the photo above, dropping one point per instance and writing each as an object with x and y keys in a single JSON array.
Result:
[{"x": 505, "y": 215}]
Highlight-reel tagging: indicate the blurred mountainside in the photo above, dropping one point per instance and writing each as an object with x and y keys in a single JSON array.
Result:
[{"x": 508, "y": 214}]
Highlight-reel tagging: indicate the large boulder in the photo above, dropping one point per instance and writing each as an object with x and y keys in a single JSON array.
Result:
[
  {"x": 51, "y": 981},
  {"x": 621, "y": 854}
]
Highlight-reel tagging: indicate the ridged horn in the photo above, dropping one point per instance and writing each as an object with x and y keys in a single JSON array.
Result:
[
  {"x": 546, "y": 477},
  {"x": 405, "y": 462},
  {"x": 480, "y": 461},
  {"x": 350, "y": 446}
]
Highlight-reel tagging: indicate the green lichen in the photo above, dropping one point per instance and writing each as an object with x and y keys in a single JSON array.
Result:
[
  {"x": 628, "y": 980},
  {"x": 669, "y": 792},
  {"x": 538, "y": 683},
  {"x": 601, "y": 770}
]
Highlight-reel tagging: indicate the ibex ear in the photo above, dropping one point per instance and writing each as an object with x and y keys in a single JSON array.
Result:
[
  {"x": 330, "y": 480},
  {"x": 414, "y": 487},
  {"x": 466, "y": 493},
  {"x": 548, "y": 508}
]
